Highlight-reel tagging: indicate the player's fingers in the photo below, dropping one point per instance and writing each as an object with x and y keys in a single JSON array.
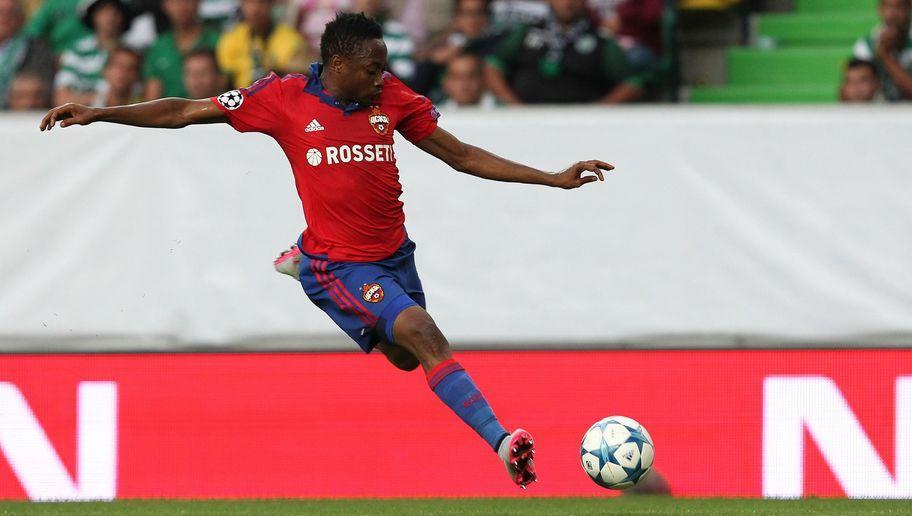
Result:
[
  {"x": 70, "y": 120},
  {"x": 584, "y": 166},
  {"x": 588, "y": 179},
  {"x": 53, "y": 119},
  {"x": 592, "y": 166},
  {"x": 604, "y": 166}
]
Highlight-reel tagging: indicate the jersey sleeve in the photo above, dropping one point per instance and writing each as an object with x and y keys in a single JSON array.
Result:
[
  {"x": 259, "y": 107},
  {"x": 419, "y": 116}
]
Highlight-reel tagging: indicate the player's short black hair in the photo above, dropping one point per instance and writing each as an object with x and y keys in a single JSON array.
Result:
[
  {"x": 861, "y": 63},
  {"x": 345, "y": 34}
]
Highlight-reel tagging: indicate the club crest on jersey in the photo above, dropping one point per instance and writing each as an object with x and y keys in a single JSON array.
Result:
[
  {"x": 372, "y": 293},
  {"x": 379, "y": 121}
]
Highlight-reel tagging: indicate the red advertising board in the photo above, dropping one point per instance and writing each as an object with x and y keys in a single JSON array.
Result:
[{"x": 724, "y": 423}]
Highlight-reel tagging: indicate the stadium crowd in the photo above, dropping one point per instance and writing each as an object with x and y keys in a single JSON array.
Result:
[
  {"x": 457, "y": 52},
  {"x": 881, "y": 68}
]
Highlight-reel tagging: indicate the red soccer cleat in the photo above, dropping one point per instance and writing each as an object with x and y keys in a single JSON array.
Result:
[
  {"x": 288, "y": 262},
  {"x": 517, "y": 451}
]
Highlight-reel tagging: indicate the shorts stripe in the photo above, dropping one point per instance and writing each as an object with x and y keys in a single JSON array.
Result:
[
  {"x": 351, "y": 298},
  {"x": 331, "y": 282},
  {"x": 321, "y": 278}
]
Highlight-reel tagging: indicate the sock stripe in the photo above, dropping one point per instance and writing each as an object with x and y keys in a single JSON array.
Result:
[{"x": 441, "y": 371}]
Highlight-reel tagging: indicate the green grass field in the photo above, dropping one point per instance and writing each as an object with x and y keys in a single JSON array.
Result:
[{"x": 480, "y": 506}]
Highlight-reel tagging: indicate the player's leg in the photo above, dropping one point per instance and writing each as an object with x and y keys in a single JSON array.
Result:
[
  {"x": 376, "y": 303},
  {"x": 415, "y": 330},
  {"x": 398, "y": 356}
]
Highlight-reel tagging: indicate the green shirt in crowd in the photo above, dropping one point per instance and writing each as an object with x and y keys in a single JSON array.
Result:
[
  {"x": 165, "y": 62},
  {"x": 58, "y": 23},
  {"x": 80, "y": 66}
]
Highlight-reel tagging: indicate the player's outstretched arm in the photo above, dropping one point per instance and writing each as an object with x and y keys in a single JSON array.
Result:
[
  {"x": 170, "y": 113},
  {"x": 481, "y": 163}
]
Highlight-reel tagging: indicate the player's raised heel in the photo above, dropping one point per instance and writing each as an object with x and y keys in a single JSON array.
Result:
[
  {"x": 288, "y": 262},
  {"x": 518, "y": 451}
]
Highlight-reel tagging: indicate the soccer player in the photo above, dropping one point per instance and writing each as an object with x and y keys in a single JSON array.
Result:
[{"x": 356, "y": 260}]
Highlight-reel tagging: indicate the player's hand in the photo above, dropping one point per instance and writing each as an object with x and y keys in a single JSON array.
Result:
[
  {"x": 573, "y": 176},
  {"x": 67, "y": 114}
]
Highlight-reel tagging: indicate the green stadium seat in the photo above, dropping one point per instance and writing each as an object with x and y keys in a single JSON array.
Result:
[
  {"x": 786, "y": 66},
  {"x": 809, "y": 48},
  {"x": 765, "y": 94},
  {"x": 836, "y": 6},
  {"x": 823, "y": 28}
]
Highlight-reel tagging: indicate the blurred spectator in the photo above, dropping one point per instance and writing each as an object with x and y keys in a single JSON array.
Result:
[
  {"x": 29, "y": 91},
  {"x": 58, "y": 23},
  {"x": 310, "y": 16},
  {"x": 163, "y": 68},
  {"x": 399, "y": 45},
  {"x": 422, "y": 17},
  {"x": 467, "y": 33},
  {"x": 11, "y": 19},
  {"x": 562, "y": 59},
  {"x": 637, "y": 25},
  {"x": 202, "y": 78},
  {"x": 257, "y": 45},
  {"x": 121, "y": 79},
  {"x": 464, "y": 85},
  {"x": 508, "y": 13},
  {"x": 219, "y": 14},
  {"x": 889, "y": 47},
  {"x": 148, "y": 20},
  {"x": 82, "y": 62},
  {"x": 19, "y": 53},
  {"x": 860, "y": 83}
]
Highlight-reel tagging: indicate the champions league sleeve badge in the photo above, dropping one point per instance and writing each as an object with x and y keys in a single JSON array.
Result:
[{"x": 231, "y": 99}]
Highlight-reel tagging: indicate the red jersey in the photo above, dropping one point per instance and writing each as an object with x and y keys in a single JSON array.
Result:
[{"x": 342, "y": 157}]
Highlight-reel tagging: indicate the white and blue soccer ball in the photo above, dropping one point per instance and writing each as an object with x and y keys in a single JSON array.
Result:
[{"x": 617, "y": 452}]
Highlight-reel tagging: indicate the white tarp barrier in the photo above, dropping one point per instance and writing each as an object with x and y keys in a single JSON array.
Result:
[{"x": 749, "y": 223}]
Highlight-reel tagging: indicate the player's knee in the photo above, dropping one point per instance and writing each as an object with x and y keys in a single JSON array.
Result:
[{"x": 419, "y": 332}]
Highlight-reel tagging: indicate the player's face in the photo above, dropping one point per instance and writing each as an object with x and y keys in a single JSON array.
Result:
[{"x": 362, "y": 75}]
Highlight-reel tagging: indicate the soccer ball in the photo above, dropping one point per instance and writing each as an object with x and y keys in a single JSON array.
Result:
[{"x": 617, "y": 452}]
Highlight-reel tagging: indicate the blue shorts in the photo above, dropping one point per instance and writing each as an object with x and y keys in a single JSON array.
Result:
[{"x": 363, "y": 298}]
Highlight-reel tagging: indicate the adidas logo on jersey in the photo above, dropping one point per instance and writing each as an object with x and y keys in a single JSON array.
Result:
[{"x": 314, "y": 126}]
